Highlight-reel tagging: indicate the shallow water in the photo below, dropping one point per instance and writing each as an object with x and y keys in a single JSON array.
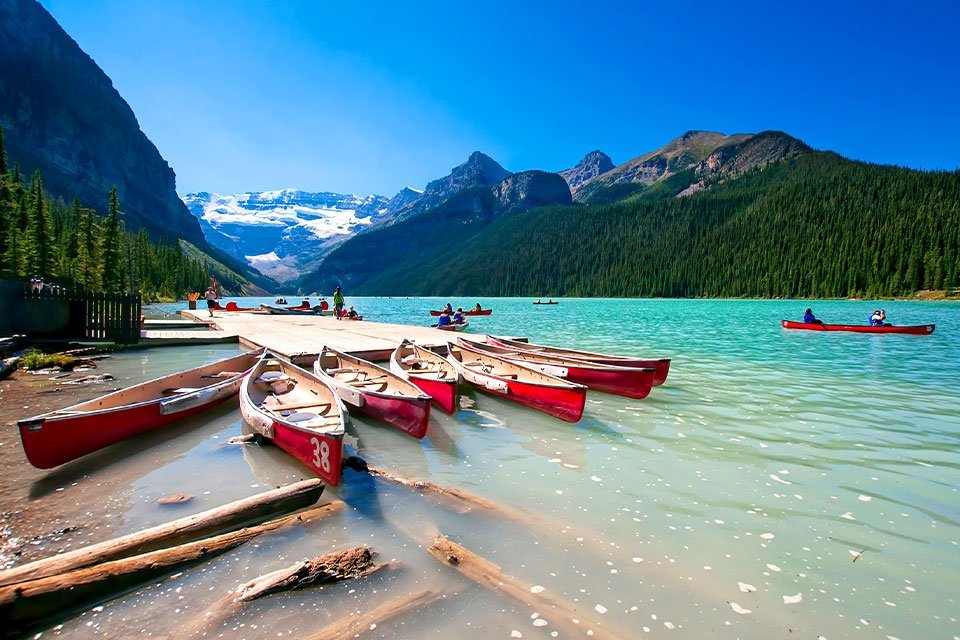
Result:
[{"x": 780, "y": 483}]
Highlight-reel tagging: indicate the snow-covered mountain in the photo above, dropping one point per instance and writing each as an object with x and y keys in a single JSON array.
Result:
[{"x": 287, "y": 232}]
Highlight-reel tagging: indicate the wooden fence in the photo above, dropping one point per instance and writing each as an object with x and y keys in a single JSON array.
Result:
[{"x": 91, "y": 316}]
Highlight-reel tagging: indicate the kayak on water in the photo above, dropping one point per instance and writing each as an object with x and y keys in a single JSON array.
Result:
[{"x": 915, "y": 330}]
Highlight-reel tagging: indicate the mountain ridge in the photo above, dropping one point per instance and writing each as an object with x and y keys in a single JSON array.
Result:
[{"x": 54, "y": 101}]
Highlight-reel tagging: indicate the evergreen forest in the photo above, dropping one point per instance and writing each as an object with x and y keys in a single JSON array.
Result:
[
  {"x": 42, "y": 235},
  {"x": 817, "y": 226}
]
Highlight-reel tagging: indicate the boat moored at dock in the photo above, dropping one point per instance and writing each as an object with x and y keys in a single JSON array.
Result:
[
  {"x": 520, "y": 383},
  {"x": 298, "y": 412},
  {"x": 376, "y": 391},
  {"x": 661, "y": 365},
  {"x": 630, "y": 382},
  {"x": 60, "y": 436},
  {"x": 430, "y": 371}
]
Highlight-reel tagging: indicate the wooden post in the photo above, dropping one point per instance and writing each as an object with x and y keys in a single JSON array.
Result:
[{"x": 224, "y": 518}]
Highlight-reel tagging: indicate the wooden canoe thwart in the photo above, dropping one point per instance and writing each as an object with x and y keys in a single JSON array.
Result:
[
  {"x": 60, "y": 436},
  {"x": 429, "y": 371},
  {"x": 661, "y": 365},
  {"x": 376, "y": 391},
  {"x": 299, "y": 412},
  {"x": 630, "y": 382},
  {"x": 912, "y": 330},
  {"x": 520, "y": 383}
]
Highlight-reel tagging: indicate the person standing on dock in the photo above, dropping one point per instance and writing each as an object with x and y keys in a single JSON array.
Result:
[
  {"x": 337, "y": 303},
  {"x": 211, "y": 297}
]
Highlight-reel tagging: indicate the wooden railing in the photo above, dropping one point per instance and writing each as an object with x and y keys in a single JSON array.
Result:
[{"x": 92, "y": 316}]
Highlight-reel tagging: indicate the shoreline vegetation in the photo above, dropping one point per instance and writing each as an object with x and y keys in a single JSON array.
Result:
[{"x": 42, "y": 235}]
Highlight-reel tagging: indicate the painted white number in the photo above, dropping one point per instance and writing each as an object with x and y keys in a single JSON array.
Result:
[{"x": 321, "y": 454}]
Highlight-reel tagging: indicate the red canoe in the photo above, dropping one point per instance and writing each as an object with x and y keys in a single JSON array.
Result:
[
  {"x": 661, "y": 365},
  {"x": 428, "y": 370},
  {"x": 376, "y": 391},
  {"x": 232, "y": 306},
  {"x": 915, "y": 330},
  {"x": 517, "y": 382},
  {"x": 455, "y": 327},
  {"x": 63, "y": 435},
  {"x": 298, "y": 412},
  {"x": 472, "y": 312},
  {"x": 631, "y": 382}
]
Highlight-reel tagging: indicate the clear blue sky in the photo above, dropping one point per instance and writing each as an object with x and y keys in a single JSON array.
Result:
[{"x": 367, "y": 97}]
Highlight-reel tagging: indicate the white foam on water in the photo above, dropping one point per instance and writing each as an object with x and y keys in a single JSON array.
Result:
[{"x": 738, "y": 609}]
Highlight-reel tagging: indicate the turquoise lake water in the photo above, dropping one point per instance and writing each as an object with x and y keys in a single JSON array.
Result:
[{"x": 780, "y": 484}]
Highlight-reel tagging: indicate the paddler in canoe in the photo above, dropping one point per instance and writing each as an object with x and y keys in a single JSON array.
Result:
[
  {"x": 444, "y": 319},
  {"x": 809, "y": 318},
  {"x": 878, "y": 317},
  {"x": 458, "y": 316}
]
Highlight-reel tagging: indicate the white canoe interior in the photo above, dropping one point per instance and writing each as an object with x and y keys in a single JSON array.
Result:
[
  {"x": 185, "y": 382},
  {"x": 497, "y": 367},
  {"x": 289, "y": 394},
  {"x": 364, "y": 376},
  {"x": 416, "y": 361}
]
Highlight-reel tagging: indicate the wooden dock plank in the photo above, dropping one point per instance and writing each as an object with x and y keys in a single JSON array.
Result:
[{"x": 300, "y": 338}]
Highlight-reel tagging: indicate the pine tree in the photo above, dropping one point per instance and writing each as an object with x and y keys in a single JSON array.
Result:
[
  {"x": 114, "y": 260},
  {"x": 38, "y": 234}
]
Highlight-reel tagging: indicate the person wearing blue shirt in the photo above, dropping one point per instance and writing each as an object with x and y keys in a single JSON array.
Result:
[
  {"x": 809, "y": 318},
  {"x": 458, "y": 316},
  {"x": 876, "y": 320},
  {"x": 444, "y": 319}
]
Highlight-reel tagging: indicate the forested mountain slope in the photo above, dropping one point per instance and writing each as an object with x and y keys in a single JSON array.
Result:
[{"x": 813, "y": 225}]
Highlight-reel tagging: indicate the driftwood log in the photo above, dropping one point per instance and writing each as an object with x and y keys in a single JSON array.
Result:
[
  {"x": 537, "y": 522},
  {"x": 236, "y": 514},
  {"x": 561, "y": 615},
  {"x": 465, "y": 498},
  {"x": 354, "y": 562},
  {"x": 25, "y": 603},
  {"x": 354, "y": 626}
]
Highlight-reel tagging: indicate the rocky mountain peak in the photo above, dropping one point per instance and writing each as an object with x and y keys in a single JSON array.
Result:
[
  {"x": 594, "y": 164},
  {"x": 529, "y": 189},
  {"x": 478, "y": 170}
]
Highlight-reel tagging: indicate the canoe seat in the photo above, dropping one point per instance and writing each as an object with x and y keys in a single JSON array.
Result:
[
  {"x": 175, "y": 391},
  {"x": 320, "y": 407},
  {"x": 276, "y": 381},
  {"x": 311, "y": 420}
]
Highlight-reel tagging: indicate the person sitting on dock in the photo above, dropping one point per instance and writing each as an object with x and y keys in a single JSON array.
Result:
[
  {"x": 458, "y": 316},
  {"x": 352, "y": 313},
  {"x": 809, "y": 318},
  {"x": 444, "y": 319},
  {"x": 876, "y": 320}
]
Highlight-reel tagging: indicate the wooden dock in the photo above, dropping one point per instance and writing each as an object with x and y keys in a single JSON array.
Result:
[{"x": 300, "y": 338}]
